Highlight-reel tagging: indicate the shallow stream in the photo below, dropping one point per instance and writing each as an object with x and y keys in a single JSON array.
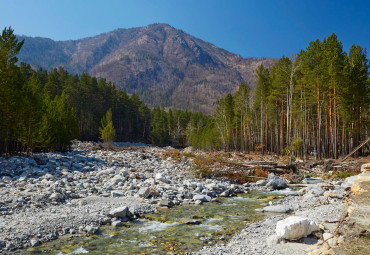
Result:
[{"x": 178, "y": 230}]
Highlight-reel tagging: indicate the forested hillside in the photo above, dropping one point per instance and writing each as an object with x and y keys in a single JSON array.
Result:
[{"x": 163, "y": 65}]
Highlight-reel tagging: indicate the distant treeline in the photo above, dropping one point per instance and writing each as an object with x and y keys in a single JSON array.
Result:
[{"x": 316, "y": 102}]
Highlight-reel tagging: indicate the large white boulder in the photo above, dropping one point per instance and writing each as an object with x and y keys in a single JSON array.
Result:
[{"x": 295, "y": 227}]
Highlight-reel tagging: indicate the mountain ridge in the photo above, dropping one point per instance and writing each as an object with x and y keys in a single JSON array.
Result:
[{"x": 165, "y": 66}]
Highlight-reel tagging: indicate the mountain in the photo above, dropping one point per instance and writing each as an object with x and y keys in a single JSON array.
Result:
[{"x": 163, "y": 65}]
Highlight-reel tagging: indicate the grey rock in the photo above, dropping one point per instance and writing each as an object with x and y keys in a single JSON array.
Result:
[
  {"x": 119, "y": 212},
  {"x": 276, "y": 182},
  {"x": 144, "y": 192},
  {"x": 161, "y": 177},
  {"x": 56, "y": 197},
  {"x": 203, "y": 198},
  {"x": 116, "y": 193},
  {"x": 165, "y": 203}
]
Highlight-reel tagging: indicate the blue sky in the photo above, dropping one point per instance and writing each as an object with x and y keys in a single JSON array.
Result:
[{"x": 257, "y": 28}]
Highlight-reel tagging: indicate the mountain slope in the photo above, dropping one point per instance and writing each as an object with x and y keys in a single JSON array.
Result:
[{"x": 164, "y": 65}]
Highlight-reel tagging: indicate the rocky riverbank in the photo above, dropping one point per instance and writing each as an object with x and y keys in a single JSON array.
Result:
[
  {"x": 53, "y": 194},
  {"x": 338, "y": 217}
]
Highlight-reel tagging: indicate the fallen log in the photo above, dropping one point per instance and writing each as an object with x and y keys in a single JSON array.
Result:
[{"x": 311, "y": 170}]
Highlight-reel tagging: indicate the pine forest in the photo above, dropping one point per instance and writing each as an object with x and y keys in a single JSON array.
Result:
[{"x": 315, "y": 102}]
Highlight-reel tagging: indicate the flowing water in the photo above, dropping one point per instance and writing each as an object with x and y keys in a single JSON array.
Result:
[{"x": 177, "y": 230}]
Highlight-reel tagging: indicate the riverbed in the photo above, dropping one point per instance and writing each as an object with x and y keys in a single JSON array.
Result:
[{"x": 186, "y": 228}]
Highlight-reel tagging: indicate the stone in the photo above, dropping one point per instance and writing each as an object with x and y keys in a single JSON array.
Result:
[
  {"x": 276, "y": 182},
  {"x": 187, "y": 194},
  {"x": 165, "y": 203},
  {"x": 276, "y": 209},
  {"x": 348, "y": 182},
  {"x": 273, "y": 240},
  {"x": 295, "y": 227},
  {"x": 203, "y": 198},
  {"x": 116, "y": 179},
  {"x": 116, "y": 193},
  {"x": 190, "y": 221},
  {"x": 34, "y": 242},
  {"x": 144, "y": 192},
  {"x": 161, "y": 177},
  {"x": 2, "y": 243},
  {"x": 119, "y": 212},
  {"x": 261, "y": 182},
  {"x": 92, "y": 229},
  {"x": 56, "y": 197},
  {"x": 117, "y": 223}
]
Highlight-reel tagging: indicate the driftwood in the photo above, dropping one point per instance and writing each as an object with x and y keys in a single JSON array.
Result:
[
  {"x": 311, "y": 170},
  {"x": 265, "y": 165},
  {"x": 356, "y": 149}
]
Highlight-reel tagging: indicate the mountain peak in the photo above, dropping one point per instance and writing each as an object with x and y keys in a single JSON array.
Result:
[{"x": 163, "y": 65}]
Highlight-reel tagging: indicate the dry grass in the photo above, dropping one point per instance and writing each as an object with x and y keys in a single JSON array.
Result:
[{"x": 260, "y": 172}]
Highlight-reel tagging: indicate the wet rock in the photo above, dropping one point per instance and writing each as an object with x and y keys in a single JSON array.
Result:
[
  {"x": 276, "y": 209},
  {"x": 295, "y": 227},
  {"x": 190, "y": 221},
  {"x": 92, "y": 229}
]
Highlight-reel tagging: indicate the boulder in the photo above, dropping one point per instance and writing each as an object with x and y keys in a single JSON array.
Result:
[
  {"x": 161, "y": 177},
  {"x": 276, "y": 209},
  {"x": 276, "y": 182},
  {"x": 295, "y": 227},
  {"x": 119, "y": 212}
]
